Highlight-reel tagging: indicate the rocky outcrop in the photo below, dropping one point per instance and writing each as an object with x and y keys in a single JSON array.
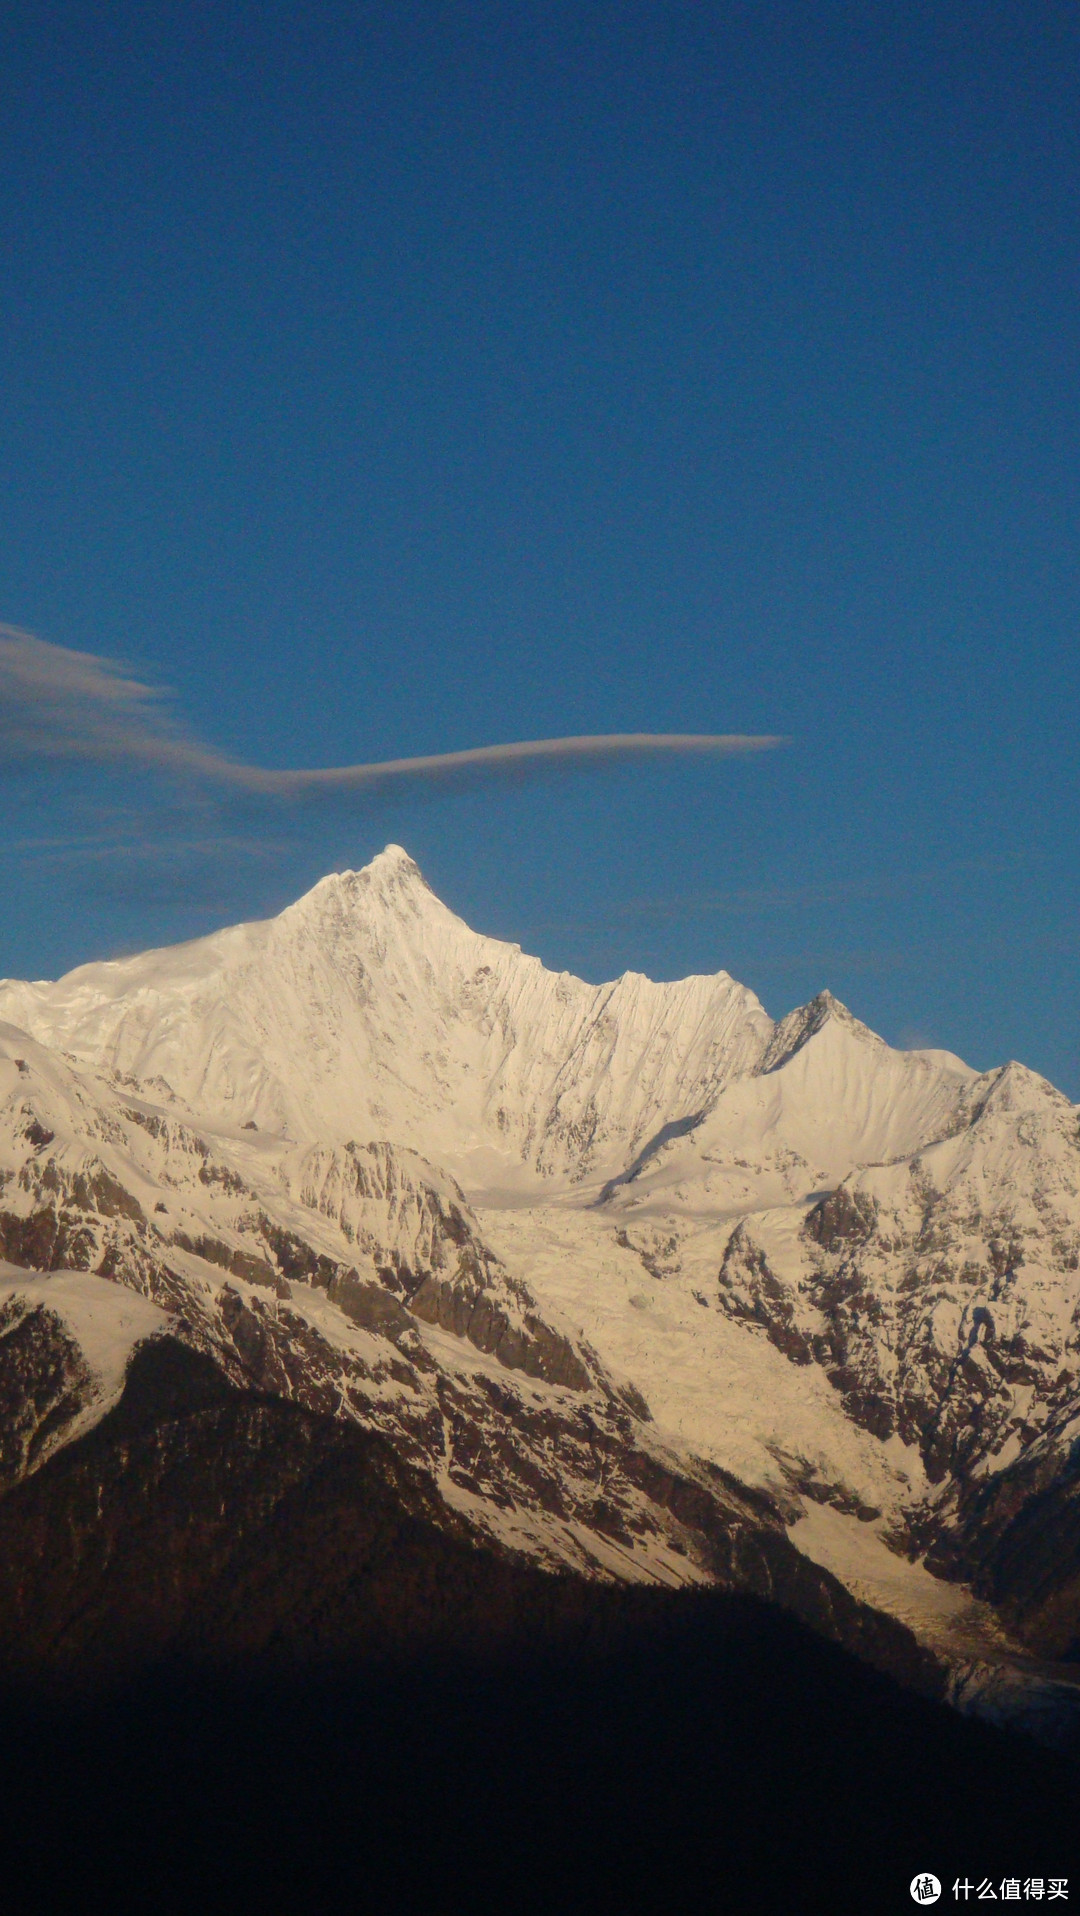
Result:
[
  {"x": 45, "y": 1385},
  {"x": 1014, "y": 1535},
  {"x": 940, "y": 1294}
]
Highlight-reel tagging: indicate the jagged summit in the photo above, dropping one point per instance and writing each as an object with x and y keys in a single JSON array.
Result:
[
  {"x": 393, "y": 858},
  {"x": 802, "y": 1024},
  {"x": 369, "y": 1009},
  {"x": 385, "y": 875}
]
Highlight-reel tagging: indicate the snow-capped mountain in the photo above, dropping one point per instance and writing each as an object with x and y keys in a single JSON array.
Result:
[
  {"x": 638, "y": 1280},
  {"x": 367, "y": 1009}
]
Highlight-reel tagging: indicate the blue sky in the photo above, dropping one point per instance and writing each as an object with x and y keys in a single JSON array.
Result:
[{"x": 394, "y": 379}]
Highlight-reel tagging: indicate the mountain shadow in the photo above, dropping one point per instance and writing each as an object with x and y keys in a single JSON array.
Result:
[{"x": 251, "y": 1661}]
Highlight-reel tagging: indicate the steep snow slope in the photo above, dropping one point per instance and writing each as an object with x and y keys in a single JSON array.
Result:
[
  {"x": 105, "y": 1327},
  {"x": 829, "y": 1094},
  {"x": 368, "y": 1010}
]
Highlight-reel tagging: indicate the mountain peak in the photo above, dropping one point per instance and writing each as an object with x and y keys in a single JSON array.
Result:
[
  {"x": 392, "y": 863},
  {"x": 390, "y": 873},
  {"x": 393, "y": 859},
  {"x": 803, "y": 1023}
]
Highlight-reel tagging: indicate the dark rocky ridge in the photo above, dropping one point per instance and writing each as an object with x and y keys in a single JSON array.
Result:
[
  {"x": 224, "y": 1527},
  {"x": 1016, "y": 1540}
]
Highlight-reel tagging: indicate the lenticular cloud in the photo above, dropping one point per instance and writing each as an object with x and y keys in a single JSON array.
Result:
[{"x": 60, "y": 704}]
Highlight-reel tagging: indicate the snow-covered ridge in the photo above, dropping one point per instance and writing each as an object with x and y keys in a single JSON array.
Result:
[
  {"x": 65, "y": 1344},
  {"x": 367, "y": 1009},
  {"x": 105, "y": 1327}
]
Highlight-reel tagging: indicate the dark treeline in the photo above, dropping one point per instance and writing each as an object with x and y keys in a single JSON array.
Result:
[{"x": 714, "y": 1754}]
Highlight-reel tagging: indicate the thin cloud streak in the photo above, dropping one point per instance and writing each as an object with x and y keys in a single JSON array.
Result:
[
  {"x": 483, "y": 758},
  {"x": 60, "y": 704},
  {"x": 116, "y": 850}
]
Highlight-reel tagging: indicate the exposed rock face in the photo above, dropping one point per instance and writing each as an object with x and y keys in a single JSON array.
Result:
[
  {"x": 1016, "y": 1538},
  {"x": 45, "y": 1384},
  {"x": 217, "y": 1525},
  {"x": 940, "y": 1296}
]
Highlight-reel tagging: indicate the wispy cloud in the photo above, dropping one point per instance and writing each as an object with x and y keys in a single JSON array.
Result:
[
  {"x": 60, "y": 704},
  {"x": 103, "y": 848}
]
